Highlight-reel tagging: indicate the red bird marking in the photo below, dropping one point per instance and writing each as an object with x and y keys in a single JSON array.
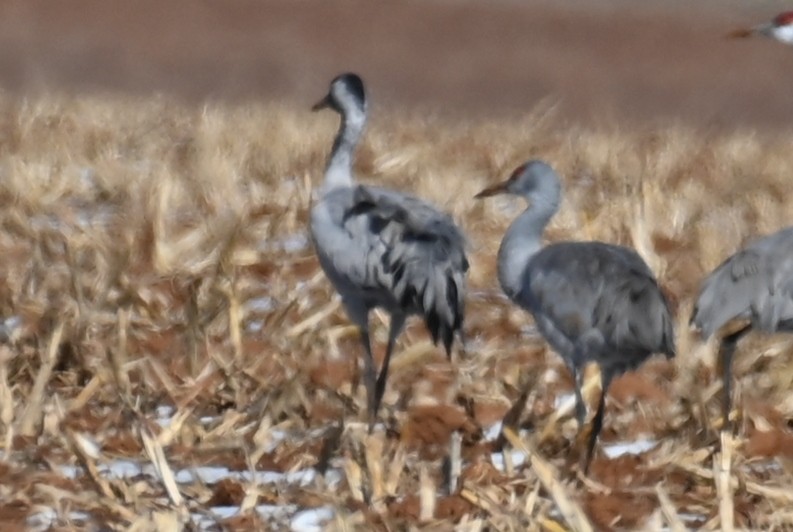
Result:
[{"x": 783, "y": 19}]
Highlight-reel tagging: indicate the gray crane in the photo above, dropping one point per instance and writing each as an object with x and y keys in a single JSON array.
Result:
[
  {"x": 779, "y": 28},
  {"x": 752, "y": 289},
  {"x": 382, "y": 248},
  {"x": 592, "y": 301}
]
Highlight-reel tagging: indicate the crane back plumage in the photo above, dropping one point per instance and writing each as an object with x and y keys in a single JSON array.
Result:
[
  {"x": 597, "y": 302},
  {"x": 754, "y": 284},
  {"x": 394, "y": 251},
  {"x": 416, "y": 260}
]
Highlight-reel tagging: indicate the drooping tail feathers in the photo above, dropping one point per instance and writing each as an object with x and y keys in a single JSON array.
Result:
[{"x": 421, "y": 258}]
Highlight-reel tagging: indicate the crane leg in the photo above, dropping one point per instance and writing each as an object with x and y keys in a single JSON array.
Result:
[
  {"x": 580, "y": 408},
  {"x": 370, "y": 378},
  {"x": 597, "y": 422},
  {"x": 580, "y": 414},
  {"x": 397, "y": 324},
  {"x": 359, "y": 315},
  {"x": 726, "y": 354},
  {"x": 462, "y": 351}
]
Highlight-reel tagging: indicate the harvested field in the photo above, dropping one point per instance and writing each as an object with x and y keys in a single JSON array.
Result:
[
  {"x": 174, "y": 352},
  {"x": 171, "y": 355}
]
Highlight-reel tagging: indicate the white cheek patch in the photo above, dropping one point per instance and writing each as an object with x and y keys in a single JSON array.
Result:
[{"x": 784, "y": 33}]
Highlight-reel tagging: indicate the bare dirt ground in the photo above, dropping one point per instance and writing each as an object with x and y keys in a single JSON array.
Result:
[{"x": 610, "y": 59}]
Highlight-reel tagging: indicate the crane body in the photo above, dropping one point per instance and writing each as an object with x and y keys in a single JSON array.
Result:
[{"x": 752, "y": 288}]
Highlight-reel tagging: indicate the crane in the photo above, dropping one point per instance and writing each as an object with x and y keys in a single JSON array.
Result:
[
  {"x": 752, "y": 289},
  {"x": 779, "y": 28},
  {"x": 384, "y": 249},
  {"x": 591, "y": 301}
]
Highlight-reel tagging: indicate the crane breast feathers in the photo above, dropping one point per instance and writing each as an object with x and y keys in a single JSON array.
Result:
[{"x": 418, "y": 255}]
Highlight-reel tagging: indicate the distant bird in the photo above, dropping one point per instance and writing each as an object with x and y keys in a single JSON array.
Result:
[
  {"x": 592, "y": 301},
  {"x": 752, "y": 289},
  {"x": 779, "y": 28},
  {"x": 381, "y": 248}
]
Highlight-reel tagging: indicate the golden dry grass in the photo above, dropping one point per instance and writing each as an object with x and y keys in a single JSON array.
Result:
[{"x": 156, "y": 256}]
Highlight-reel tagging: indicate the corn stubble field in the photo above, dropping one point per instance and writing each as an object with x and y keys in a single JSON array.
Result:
[{"x": 164, "y": 309}]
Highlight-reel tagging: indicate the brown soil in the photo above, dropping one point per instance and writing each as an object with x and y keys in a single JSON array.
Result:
[
  {"x": 614, "y": 59},
  {"x": 227, "y": 492},
  {"x": 449, "y": 509},
  {"x": 431, "y": 426}
]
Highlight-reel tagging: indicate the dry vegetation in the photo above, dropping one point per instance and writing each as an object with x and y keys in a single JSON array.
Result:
[{"x": 154, "y": 255}]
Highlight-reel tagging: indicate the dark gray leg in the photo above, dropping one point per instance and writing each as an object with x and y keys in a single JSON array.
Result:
[
  {"x": 580, "y": 414},
  {"x": 462, "y": 352},
  {"x": 597, "y": 422},
  {"x": 359, "y": 315},
  {"x": 370, "y": 378},
  {"x": 580, "y": 408},
  {"x": 397, "y": 323},
  {"x": 726, "y": 353}
]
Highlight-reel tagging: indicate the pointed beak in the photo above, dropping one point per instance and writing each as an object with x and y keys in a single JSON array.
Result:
[
  {"x": 742, "y": 33},
  {"x": 498, "y": 188},
  {"x": 324, "y": 103}
]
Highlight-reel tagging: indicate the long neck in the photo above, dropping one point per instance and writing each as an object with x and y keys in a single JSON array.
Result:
[
  {"x": 338, "y": 173},
  {"x": 522, "y": 240}
]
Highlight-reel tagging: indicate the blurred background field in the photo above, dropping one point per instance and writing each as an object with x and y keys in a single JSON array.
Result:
[
  {"x": 602, "y": 60},
  {"x": 172, "y": 351}
]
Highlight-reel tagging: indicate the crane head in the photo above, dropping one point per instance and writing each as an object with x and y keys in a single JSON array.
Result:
[
  {"x": 779, "y": 28},
  {"x": 783, "y": 19},
  {"x": 346, "y": 92},
  {"x": 528, "y": 180}
]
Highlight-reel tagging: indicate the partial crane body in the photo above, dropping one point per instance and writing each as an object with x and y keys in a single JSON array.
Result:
[
  {"x": 384, "y": 249},
  {"x": 780, "y": 28},
  {"x": 591, "y": 301},
  {"x": 752, "y": 289}
]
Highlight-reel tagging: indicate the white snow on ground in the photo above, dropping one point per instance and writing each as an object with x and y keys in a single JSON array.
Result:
[
  {"x": 614, "y": 450},
  {"x": 299, "y": 519}
]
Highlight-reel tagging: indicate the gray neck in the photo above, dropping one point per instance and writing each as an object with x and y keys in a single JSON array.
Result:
[
  {"x": 338, "y": 173},
  {"x": 522, "y": 240}
]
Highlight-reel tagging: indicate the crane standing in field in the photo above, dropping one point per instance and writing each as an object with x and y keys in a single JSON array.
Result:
[
  {"x": 592, "y": 301},
  {"x": 752, "y": 289},
  {"x": 381, "y": 248},
  {"x": 779, "y": 28}
]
